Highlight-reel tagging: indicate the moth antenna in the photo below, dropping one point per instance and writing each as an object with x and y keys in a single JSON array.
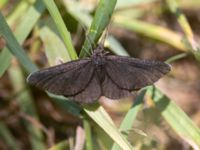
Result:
[{"x": 104, "y": 36}]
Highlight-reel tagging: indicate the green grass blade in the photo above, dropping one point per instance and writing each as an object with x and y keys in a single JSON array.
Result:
[
  {"x": 99, "y": 115},
  {"x": 109, "y": 127},
  {"x": 53, "y": 10},
  {"x": 27, "y": 106},
  {"x": 5, "y": 58},
  {"x": 14, "y": 46},
  {"x": 63, "y": 145},
  {"x": 56, "y": 51},
  {"x": 14, "y": 17},
  {"x": 175, "y": 117},
  {"x": 26, "y": 25},
  {"x": 176, "y": 57},
  {"x": 54, "y": 48},
  {"x": 190, "y": 40},
  {"x": 101, "y": 139},
  {"x": 88, "y": 135},
  {"x": 35, "y": 12},
  {"x": 8, "y": 137},
  {"x": 115, "y": 46},
  {"x": 22, "y": 31},
  {"x": 128, "y": 120},
  {"x": 66, "y": 104},
  {"x": 30, "y": 67},
  {"x": 26, "y": 62},
  {"x": 130, "y": 3},
  {"x": 3, "y": 3},
  {"x": 100, "y": 21},
  {"x": 75, "y": 9},
  {"x": 152, "y": 31}
]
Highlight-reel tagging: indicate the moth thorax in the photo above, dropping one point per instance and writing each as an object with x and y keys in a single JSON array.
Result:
[{"x": 98, "y": 60}]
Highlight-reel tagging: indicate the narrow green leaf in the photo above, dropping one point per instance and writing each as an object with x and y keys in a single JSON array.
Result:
[
  {"x": 8, "y": 137},
  {"x": 27, "y": 23},
  {"x": 54, "y": 48},
  {"x": 175, "y": 117},
  {"x": 88, "y": 135},
  {"x": 18, "y": 52},
  {"x": 105, "y": 119},
  {"x": 56, "y": 51},
  {"x": 115, "y": 46},
  {"x": 99, "y": 115},
  {"x": 172, "y": 4},
  {"x": 176, "y": 57},
  {"x": 14, "y": 17},
  {"x": 128, "y": 3},
  {"x": 5, "y": 57},
  {"x": 100, "y": 21},
  {"x": 66, "y": 104},
  {"x": 39, "y": 7},
  {"x": 14, "y": 46},
  {"x": 22, "y": 31},
  {"x": 27, "y": 106},
  {"x": 23, "y": 28},
  {"x": 153, "y": 31},
  {"x": 128, "y": 120},
  {"x": 101, "y": 139},
  {"x": 53, "y": 10},
  {"x": 76, "y": 10},
  {"x": 63, "y": 145},
  {"x": 190, "y": 42},
  {"x": 3, "y": 3}
]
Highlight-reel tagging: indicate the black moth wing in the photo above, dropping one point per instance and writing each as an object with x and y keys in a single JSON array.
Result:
[
  {"x": 112, "y": 90},
  {"x": 132, "y": 73},
  {"x": 66, "y": 79},
  {"x": 91, "y": 93}
]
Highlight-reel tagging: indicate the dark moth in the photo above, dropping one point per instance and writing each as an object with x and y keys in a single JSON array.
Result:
[{"x": 86, "y": 80}]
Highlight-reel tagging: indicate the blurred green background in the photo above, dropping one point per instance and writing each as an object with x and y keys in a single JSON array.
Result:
[{"x": 36, "y": 34}]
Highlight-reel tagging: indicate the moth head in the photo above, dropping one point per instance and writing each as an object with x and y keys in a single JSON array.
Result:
[
  {"x": 99, "y": 51},
  {"x": 98, "y": 56}
]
